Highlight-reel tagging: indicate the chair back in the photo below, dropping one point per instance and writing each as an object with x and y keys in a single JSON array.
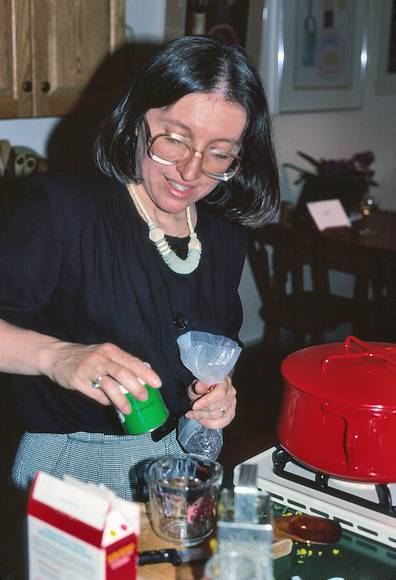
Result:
[{"x": 293, "y": 281}]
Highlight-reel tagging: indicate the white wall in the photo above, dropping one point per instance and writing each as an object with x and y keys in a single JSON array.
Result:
[
  {"x": 341, "y": 134},
  {"x": 145, "y": 19},
  {"x": 335, "y": 134},
  {"x": 324, "y": 134}
]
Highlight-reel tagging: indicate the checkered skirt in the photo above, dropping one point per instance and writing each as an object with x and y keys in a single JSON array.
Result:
[{"x": 118, "y": 462}]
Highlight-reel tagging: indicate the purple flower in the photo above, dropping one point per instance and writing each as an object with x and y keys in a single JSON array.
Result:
[
  {"x": 365, "y": 159},
  {"x": 355, "y": 168}
]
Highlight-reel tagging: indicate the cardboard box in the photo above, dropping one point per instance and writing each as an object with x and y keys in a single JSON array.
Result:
[{"x": 80, "y": 531}]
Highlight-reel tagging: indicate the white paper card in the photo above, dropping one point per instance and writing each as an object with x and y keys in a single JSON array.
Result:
[{"x": 328, "y": 214}]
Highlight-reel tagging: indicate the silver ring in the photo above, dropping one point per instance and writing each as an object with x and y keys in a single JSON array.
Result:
[
  {"x": 96, "y": 383},
  {"x": 223, "y": 412}
]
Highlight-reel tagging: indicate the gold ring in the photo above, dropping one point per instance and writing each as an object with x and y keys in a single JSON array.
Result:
[{"x": 96, "y": 383}]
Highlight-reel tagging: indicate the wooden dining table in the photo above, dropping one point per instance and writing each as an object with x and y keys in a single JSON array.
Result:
[
  {"x": 375, "y": 233},
  {"x": 368, "y": 250}
]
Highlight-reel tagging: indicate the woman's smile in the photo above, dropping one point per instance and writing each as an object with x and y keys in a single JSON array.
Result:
[{"x": 180, "y": 188}]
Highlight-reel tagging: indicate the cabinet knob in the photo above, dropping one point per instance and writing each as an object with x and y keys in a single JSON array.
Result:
[
  {"x": 27, "y": 86},
  {"x": 45, "y": 87}
]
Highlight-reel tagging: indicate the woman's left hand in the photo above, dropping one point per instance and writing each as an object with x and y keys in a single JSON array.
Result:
[{"x": 214, "y": 407}]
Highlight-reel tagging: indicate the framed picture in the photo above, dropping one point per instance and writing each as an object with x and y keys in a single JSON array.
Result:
[
  {"x": 264, "y": 45},
  {"x": 322, "y": 54},
  {"x": 386, "y": 72}
]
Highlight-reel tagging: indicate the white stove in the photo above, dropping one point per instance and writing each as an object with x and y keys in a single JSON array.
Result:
[{"x": 361, "y": 520}]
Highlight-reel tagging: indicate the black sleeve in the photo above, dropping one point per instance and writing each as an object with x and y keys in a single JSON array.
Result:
[{"x": 30, "y": 256}]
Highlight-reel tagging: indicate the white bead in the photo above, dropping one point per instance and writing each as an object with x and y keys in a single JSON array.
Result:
[
  {"x": 156, "y": 234},
  {"x": 195, "y": 245}
]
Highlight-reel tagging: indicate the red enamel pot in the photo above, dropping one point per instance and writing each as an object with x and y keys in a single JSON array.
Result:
[{"x": 338, "y": 412}]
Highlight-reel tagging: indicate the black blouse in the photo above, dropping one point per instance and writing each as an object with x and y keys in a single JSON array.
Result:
[{"x": 76, "y": 263}]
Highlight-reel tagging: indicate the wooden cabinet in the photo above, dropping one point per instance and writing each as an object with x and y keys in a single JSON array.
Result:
[{"x": 59, "y": 54}]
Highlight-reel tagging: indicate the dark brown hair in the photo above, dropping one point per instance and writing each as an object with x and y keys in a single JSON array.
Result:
[{"x": 194, "y": 64}]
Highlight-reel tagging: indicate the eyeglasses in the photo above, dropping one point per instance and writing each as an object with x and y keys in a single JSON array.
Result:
[{"x": 172, "y": 149}]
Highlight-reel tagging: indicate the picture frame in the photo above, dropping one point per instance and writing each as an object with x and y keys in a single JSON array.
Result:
[
  {"x": 263, "y": 44},
  {"x": 386, "y": 60},
  {"x": 315, "y": 74}
]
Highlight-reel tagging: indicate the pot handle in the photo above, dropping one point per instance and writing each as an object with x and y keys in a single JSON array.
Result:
[
  {"x": 353, "y": 339},
  {"x": 354, "y": 425},
  {"x": 349, "y": 355}
]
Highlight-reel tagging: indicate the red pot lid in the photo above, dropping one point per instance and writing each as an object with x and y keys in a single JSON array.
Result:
[{"x": 353, "y": 372}]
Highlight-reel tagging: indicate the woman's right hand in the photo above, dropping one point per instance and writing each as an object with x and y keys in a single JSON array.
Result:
[{"x": 77, "y": 367}]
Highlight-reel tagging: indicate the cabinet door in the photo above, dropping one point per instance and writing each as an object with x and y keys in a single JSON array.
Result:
[
  {"x": 15, "y": 59},
  {"x": 75, "y": 64}
]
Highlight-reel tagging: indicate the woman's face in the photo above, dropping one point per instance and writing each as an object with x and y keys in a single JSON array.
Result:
[{"x": 206, "y": 120}]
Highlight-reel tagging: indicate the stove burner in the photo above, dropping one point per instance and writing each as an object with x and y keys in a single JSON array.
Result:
[{"x": 280, "y": 459}]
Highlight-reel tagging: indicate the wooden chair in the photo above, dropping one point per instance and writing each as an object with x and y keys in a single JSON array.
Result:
[
  {"x": 367, "y": 313},
  {"x": 281, "y": 258}
]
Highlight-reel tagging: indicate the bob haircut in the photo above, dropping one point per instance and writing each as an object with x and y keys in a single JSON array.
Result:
[{"x": 192, "y": 64}]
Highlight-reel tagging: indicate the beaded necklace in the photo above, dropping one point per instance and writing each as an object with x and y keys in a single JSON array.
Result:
[{"x": 157, "y": 236}]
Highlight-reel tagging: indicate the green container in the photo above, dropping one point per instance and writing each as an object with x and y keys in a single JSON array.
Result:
[{"x": 145, "y": 415}]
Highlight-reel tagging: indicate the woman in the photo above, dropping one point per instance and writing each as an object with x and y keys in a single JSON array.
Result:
[{"x": 88, "y": 299}]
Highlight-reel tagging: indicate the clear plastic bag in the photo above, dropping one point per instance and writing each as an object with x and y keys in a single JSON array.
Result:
[
  {"x": 210, "y": 357},
  {"x": 196, "y": 438}
]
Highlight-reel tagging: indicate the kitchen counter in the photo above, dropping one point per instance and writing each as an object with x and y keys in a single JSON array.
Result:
[
  {"x": 353, "y": 558},
  {"x": 357, "y": 556},
  {"x": 148, "y": 540}
]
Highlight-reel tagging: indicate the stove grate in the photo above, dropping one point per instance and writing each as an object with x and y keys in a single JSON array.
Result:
[
  {"x": 370, "y": 524},
  {"x": 280, "y": 459}
]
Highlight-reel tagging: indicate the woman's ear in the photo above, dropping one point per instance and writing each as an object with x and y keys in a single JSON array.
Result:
[{"x": 140, "y": 137}]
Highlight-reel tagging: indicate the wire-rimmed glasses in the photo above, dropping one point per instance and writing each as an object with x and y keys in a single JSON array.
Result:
[{"x": 173, "y": 149}]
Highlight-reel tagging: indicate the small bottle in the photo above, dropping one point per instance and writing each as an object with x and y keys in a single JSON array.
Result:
[
  {"x": 330, "y": 47},
  {"x": 198, "y": 17}
]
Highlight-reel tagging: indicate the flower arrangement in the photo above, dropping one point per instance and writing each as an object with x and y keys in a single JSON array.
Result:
[
  {"x": 356, "y": 168},
  {"x": 346, "y": 179}
]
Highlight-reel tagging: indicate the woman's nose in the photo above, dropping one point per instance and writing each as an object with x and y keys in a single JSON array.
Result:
[{"x": 192, "y": 168}]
